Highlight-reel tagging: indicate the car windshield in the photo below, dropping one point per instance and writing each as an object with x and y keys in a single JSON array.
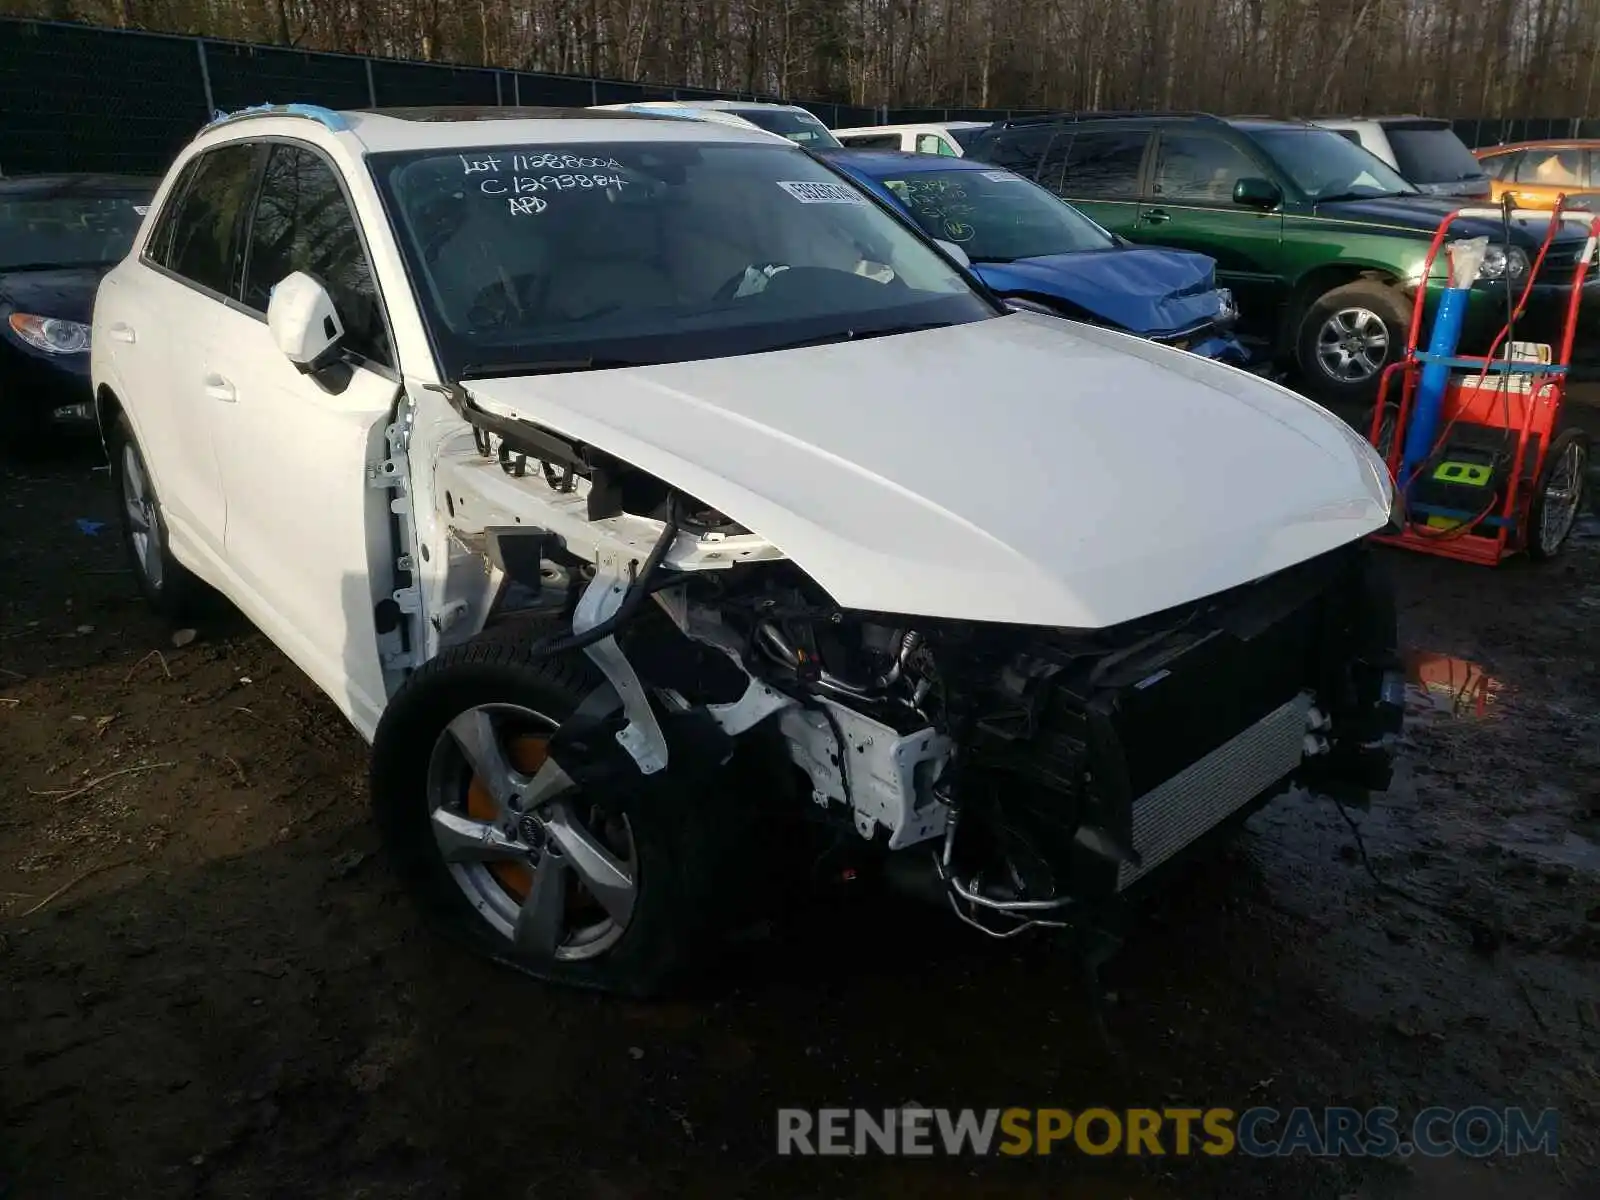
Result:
[
  {"x": 799, "y": 127},
  {"x": 1326, "y": 166},
  {"x": 1432, "y": 154},
  {"x": 66, "y": 230},
  {"x": 996, "y": 216},
  {"x": 653, "y": 252}
]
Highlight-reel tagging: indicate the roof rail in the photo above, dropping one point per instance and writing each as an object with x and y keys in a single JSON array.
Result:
[
  {"x": 1100, "y": 115},
  {"x": 311, "y": 112}
]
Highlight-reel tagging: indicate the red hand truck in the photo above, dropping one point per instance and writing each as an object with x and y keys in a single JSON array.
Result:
[{"x": 1502, "y": 477}]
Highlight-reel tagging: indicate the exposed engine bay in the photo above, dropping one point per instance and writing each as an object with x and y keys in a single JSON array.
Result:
[{"x": 1012, "y": 771}]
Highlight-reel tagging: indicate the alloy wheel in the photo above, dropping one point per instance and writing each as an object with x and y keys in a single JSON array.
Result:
[
  {"x": 1353, "y": 345},
  {"x": 548, "y": 869},
  {"x": 138, "y": 499}
]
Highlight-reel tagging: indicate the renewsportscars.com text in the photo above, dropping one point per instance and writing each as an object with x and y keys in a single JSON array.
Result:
[{"x": 1476, "y": 1132}]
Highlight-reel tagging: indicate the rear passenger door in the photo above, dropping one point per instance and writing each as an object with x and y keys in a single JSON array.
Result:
[
  {"x": 183, "y": 301},
  {"x": 1189, "y": 205},
  {"x": 1099, "y": 170},
  {"x": 306, "y": 536}
]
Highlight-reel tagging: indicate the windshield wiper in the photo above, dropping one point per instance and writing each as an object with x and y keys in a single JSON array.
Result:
[
  {"x": 1337, "y": 196},
  {"x": 542, "y": 366},
  {"x": 854, "y": 335},
  {"x": 993, "y": 258}
]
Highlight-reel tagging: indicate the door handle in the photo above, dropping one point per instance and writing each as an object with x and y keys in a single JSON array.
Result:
[
  {"x": 218, "y": 388},
  {"x": 122, "y": 332},
  {"x": 1155, "y": 216}
]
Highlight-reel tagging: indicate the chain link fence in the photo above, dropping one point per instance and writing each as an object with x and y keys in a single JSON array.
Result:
[{"x": 80, "y": 98}]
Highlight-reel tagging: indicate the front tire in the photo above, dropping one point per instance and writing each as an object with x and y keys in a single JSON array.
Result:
[
  {"x": 1347, "y": 337},
  {"x": 168, "y": 586},
  {"x": 598, "y": 891}
]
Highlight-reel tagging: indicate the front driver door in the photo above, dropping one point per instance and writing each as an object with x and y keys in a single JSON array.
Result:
[
  {"x": 1189, "y": 204},
  {"x": 306, "y": 536},
  {"x": 1098, "y": 171}
]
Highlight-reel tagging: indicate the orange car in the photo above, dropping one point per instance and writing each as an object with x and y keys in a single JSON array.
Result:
[{"x": 1535, "y": 173}]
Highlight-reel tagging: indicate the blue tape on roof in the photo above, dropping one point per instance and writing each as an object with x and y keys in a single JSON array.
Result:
[{"x": 312, "y": 112}]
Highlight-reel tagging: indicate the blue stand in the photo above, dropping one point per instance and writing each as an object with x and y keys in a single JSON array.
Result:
[{"x": 1423, "y": 422}]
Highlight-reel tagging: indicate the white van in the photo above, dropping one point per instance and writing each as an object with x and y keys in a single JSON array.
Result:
[
  {"x": 786, "y": 120},
  {"x": 949, "y": 138}
]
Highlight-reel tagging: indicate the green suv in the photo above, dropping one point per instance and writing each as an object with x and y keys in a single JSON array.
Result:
[{"x": 1321, "y": 241}]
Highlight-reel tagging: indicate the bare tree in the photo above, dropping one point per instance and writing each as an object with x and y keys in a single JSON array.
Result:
[{"x": 1488, "y": 58}]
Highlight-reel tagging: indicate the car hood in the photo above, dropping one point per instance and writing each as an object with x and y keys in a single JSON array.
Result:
[
  {"x": 1147, "y": 291},
  {"x": 66, "y": 292},
  {"x": 1020, "y": 469},
  {"x": 1423, "y": 214}
]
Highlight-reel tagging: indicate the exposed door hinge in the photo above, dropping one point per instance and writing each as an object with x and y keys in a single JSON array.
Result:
[{"x": 386, "y": 473}]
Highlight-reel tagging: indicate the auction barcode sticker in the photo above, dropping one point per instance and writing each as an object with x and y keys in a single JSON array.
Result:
[
  {"x": 821, "y": 193},
  {"x": 1002, "y": 177}
]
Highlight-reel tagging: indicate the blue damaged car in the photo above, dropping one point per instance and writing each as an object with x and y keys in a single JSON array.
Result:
[{"x": 1037, "y": 251}]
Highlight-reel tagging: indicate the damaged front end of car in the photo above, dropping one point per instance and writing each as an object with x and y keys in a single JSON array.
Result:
[{"x": 1019, "y": 775}]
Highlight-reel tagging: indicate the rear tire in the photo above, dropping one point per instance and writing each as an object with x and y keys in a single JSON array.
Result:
[
  {"x": 662, "y": 841},
  {"x": 1345, "y": 339},
  {"x": 171, "y": 589},
  {"x": 1558, "y": 495}
]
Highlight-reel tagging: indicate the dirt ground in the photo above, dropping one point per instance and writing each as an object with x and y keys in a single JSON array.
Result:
[{"x": 210, "y": 987}]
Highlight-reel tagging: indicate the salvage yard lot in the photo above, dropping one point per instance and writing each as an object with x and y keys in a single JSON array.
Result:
[{"x": 212, "y": 988}]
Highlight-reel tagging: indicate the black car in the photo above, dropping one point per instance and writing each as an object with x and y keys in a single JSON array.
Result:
[{"x": 58, "y": 235}]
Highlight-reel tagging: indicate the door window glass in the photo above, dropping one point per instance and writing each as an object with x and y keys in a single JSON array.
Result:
[
  {"x": 1501, "y": 166},
  {"x": 303, "y": 223},
  {"x": 1020, "y": 150},
  {"x": 159, "y": 248},
  {"x": 1200, "y": 169},
  {"x": 1551, "y": 168},
  {"x": 1105, "y": 165},
  {"x": 205, "y": 237},
  {"x": 874, "y": 141}
]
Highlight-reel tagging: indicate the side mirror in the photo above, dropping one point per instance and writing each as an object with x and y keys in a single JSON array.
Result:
[
  {"x": 304, "y": 324},
  {"x": 954, "y": 251},
  {"x": 1257, "y": 193}
]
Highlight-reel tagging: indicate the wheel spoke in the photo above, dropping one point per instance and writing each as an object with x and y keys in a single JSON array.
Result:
[
  {"x": 544, "y": 913},
  {"x": 548, "y": 782},
  {"x": 474, "y": 733},
  {"x": 150, "y": 554},
  {"x": 132, "y": 473},
  {"x": 462, "y": 839},
  {"x": 136, "y": 517},
  {"x": 602, "y": 876}
]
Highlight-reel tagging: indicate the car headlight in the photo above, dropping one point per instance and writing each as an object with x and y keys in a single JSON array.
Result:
[
  {"x": 1227, "y": 310},
  {"x": 1498, "y": 261},
  {"x": 51, "y": 334}
]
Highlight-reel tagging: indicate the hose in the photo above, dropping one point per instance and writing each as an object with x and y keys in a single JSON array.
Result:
[{"x": 643, "y": 585}]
